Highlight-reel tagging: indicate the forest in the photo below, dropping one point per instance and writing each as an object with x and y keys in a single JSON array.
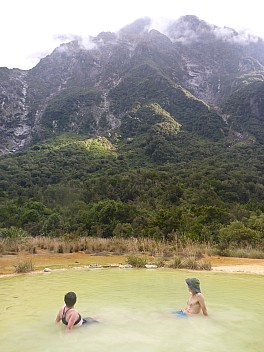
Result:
[{"x": 154, "y": 185}]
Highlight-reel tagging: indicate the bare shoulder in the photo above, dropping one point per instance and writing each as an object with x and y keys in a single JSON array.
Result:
[
  {"x": 73, "y": 312},
  {"x": 200, "y": 296}
]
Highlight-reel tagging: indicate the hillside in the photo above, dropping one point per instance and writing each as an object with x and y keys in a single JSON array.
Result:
[
  {"x": 102, "y": 188},
  {"x": 139, "y": 133}
]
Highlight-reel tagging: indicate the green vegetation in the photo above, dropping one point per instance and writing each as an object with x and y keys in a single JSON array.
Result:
[
  {"x": 145, "y": 84},
  {"x": 183, "y": 187},
  {"x": 136, "y": 260},
  {"x": 189, "y": 263},
  {"x": 246, "y": 108},
  {"x": 62, "y": 112}
]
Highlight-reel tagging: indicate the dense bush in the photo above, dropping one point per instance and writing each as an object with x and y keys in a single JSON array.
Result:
[{"x": 193, "y": 189}]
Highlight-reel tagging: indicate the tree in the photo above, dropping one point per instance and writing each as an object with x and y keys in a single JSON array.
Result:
[{"x": 238, "y": 234}]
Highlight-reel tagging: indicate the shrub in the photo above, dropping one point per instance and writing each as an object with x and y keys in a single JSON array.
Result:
[
  {"x": 13, "y": 232},
  {"x": 136, "y": 261},
  {"x": 189, "y": 263},
  {"x": 237, "y": 233},
  {"x": 175, "y": 263},
  {"x": 24, "y": 266},
  {"x": 204, "y": 265},
  {"x": 160, "y": 262},
  {"x": 60, "y": 248}
]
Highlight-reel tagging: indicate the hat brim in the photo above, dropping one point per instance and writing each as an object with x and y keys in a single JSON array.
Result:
[{"x": 194, "y": 289}]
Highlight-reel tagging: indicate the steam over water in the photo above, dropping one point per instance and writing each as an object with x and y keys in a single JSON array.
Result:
[{"x": 134, "y": 309}]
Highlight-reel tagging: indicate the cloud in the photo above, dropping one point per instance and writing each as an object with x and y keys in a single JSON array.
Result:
[
  {"x": 189, "y": 29},
  {"x": 85, "y": 42},
  {"x": 230, "y": 35},
  {"x": 27, "y": 31}
]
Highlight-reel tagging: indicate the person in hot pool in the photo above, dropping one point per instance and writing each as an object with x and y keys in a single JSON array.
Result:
[
  {"x": 68, "y": 314},
  {"x": 196, "y": 301}
]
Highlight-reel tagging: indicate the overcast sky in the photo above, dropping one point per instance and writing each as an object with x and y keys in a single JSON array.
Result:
[{"x": 30, "y": 29}]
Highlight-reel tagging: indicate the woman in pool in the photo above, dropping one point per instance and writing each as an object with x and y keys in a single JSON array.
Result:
[
  {"x": 196, "y": 302},
  {"x": 68, "y": 314}
]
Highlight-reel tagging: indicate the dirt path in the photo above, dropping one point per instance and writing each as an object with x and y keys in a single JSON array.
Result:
[
  {"x": 54, "y": 260},
  {"x": 236, "y": 265}
]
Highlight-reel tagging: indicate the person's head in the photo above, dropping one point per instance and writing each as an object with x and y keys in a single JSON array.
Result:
[
  {"x": 193, "y": 284},
  {"x": 70, "y": 299}
]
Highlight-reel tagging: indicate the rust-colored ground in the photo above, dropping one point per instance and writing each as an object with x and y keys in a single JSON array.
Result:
[
  {"x": 44, "y": 259},
  {"x": 230, "y": 264},
  {"x": 220, "y": 261},
  {"x": 54, "y": 260}
]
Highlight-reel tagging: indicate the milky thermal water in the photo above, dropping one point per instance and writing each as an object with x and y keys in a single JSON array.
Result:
[{"x": 134, "y": 309}]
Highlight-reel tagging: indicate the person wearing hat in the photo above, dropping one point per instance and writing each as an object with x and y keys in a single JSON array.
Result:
[{"x": 196, "y": 302}]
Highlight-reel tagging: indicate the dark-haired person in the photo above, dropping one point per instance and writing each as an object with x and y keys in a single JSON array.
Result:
[
  {"x": 196, "y": 302},
  {"x": 68, "y": 314}
]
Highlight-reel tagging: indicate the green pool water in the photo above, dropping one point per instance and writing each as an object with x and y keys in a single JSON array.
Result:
[{"x": 134, "y": 308}]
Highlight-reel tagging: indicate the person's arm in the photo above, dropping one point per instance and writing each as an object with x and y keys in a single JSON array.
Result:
[
  {"x": 72, "y": 319},
  {"x": 202, "y": 304},
  {"x": 59, "y": 315}
]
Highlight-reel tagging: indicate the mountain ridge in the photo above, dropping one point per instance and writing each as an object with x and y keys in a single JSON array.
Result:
[{"x": 82, "y": 86}]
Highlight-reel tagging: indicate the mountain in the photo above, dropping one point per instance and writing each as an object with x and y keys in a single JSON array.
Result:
[
  {"x": 193, "y": 72},
  {"x": 137, "y": 133}
]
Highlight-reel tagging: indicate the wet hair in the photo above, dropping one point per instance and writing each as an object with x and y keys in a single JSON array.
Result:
[{"x": 70, "y": 299}]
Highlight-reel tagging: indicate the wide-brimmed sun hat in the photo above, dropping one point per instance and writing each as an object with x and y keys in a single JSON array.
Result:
[{"x": 194, "y": 284}]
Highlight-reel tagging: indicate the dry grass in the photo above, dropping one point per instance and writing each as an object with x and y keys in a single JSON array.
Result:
[
  {"x": 140, "y": 251},
  {"x": 117, "y": 246}
]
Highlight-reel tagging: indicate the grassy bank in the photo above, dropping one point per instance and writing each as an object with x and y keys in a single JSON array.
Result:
[{"x": 136, "y": 251}]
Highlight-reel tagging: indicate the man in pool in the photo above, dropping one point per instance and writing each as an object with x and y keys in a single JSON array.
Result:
[
  {"x": 196, "y": 302},
  {"x": 68, "y": 314}
]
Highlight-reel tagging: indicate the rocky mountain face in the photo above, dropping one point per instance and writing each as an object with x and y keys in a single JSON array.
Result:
[{"x": 207, "y": 80}]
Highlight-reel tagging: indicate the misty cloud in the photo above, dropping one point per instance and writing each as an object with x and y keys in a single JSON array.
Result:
[
  {"x": 188, "y": 29},
  {"x": 230, "y": 35},
  {"x": 84, "y": 42}
]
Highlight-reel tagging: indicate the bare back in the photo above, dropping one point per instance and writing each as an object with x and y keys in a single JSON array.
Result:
[{"x": 69, "y": 316}]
